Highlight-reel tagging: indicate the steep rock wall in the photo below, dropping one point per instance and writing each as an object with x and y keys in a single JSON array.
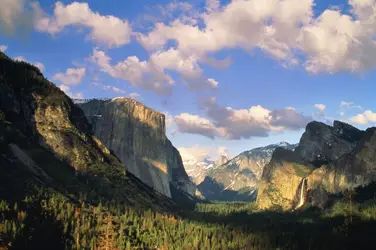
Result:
[
  {"x": 137, "y": 135},
  {"x": 281, "y": 180},
  {"x": 340, "y": 158}
]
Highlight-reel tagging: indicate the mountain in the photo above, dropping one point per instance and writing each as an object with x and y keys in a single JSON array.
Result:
[
  {"x": 137, "y": 135},
  {"x": 46, "y": 143},
  {"x": 329, "y": 160},
  {"x": 197, "y": 170},
  {"x": 237, "y": 178}
]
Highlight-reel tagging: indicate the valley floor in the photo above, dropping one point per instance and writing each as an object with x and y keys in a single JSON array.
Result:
[{"x": 48, "y": 221}]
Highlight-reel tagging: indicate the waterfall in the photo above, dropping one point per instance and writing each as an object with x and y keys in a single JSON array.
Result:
[{"x": 301, "y": 197}]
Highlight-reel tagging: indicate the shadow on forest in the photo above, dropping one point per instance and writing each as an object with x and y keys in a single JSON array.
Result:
[{"x": 298, "y": 230}]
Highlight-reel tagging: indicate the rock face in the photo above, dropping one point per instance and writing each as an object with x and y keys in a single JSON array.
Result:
[
  {"x": 356, "y": 168},
  {"x": 237, "y": 179},
  {"x": 281, "y": 179},
  {"x": 321, "y": 143},
  {"x": 177, "y": 175},
  {"x": 332, "y": 160},
  {"x": 137, "y": 135},
  {"x": 46, "y": 142}
]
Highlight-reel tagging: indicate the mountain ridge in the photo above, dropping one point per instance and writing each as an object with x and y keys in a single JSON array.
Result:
[{"x": 238, "y": 175}]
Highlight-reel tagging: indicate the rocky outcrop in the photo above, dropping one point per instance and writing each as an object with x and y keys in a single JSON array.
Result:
[
  {"x": 177, "y": 175},
  {"x": 357, "y": 168},
  {"x": 335, "y": 159},
  {"x": 322, "y": 143},
  {"x": 137, "y": 135},
  {"x": 46, "y": 143},
  {"x": 281, "y": 179},
  {"x": 238, "y": 177}
]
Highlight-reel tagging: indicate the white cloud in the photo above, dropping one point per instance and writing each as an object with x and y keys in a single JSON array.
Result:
[
  {"x": 169, "y": 119},
  {"x": 107, "y": 30},
  {"x": 194, "y": 124},
  {"x": 77, "y": 95},
  {"x": 134, "y": 95},
  {"x": 212, "y": 5},
  {"x": 200, "y": 153},
  {"x": 64, "y": 88},
  {"x": 238, "y": 24},
  {"x": 365, "y": 118},
  {"x": 39, "y": 65},
  {"x": 222, "y": 150},
  {"x": 3, "y": 48},
  {"x": 71, "y": 76},
  {"x": 67, "y": 91},
  {"x": 344, "y": 104},
  {"x": 114, "y": 89},
  {"x": 284, "y": 29},
  {"x": 348, "y": 106},
  {"x": 320, "y": 107},
  {"x": 234, "y": 124},
  {"x": 194, "y": 153},
  {"x": 15, "y": 17},
  {"x": 146, "y": 75},
  {"x": 213, "y": 82}
]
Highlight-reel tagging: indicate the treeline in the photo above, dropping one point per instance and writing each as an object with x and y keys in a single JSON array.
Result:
[{"x": 54, "y": 221}]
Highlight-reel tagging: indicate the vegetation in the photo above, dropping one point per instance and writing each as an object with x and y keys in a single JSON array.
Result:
[
  {"x": 301, "y": 170},
  {"x": 49, "y": 219}
]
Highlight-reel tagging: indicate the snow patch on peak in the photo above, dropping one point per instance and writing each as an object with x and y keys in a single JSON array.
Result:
[{"x": 283, "y": 144}]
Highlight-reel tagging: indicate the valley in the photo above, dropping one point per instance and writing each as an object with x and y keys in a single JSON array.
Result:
[{"x": 105, "y": 173}]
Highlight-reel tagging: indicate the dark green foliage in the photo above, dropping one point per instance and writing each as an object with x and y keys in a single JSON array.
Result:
[{"x": 47, "y": 220}]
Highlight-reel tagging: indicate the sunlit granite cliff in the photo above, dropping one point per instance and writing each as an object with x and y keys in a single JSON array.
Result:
[
  {"x": 137, "y": 135},
  {"x": 329, "y": 160}
]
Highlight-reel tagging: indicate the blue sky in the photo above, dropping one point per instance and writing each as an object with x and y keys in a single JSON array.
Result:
[{"x": 230, "y": 75}]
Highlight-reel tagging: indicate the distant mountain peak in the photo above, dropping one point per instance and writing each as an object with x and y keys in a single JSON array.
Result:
[{"x": 236, "y": 179}]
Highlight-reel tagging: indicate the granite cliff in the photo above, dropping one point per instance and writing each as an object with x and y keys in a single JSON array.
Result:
[
  {"x": 137, "y": 135},
  {"x": 329, "y": 160},
  {"x": 46, "y": 143}
]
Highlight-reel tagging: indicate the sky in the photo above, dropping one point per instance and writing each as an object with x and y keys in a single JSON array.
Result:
[{"x": 228, "y": 75}]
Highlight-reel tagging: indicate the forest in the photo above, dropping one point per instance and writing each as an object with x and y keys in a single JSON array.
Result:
[{"x": 48, "y": 220}]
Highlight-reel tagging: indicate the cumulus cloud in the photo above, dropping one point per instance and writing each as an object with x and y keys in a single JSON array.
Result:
[
  {"x": 105, "y": 30},
  {"x": 108, "y": 87},
  {"x": 186, "y": 65},
  {"x": 194, "y": 153},
  {"x": 146, "y": 75},
  {"x": 284, "y": 29},
  {"x": 241, "y": 24},
  {"x": 3, "y": 48},
  {"x": 39, "y": 65},
  {"x": 200, "y": 153},
  {"x": 235, "y": 124},
  {"x": 114, "y": 89},
  {"x": 222, "y": 150},
  {"x": 194, "y": 124},
  {"x": 64, "y": 88},
  {"x": 169, "y": 119},
  {"x": 15, "y": 17},
  {"x": 134, "y": 95},
  {"x": 320, "y": 107},
  {"x": 78, "y": 95},
  {"x": 348, "y": 106},
  {"x": 364, "y": 118},
  {"x": 72, "y": 76},
  {"x": 67, "y": 91}
]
